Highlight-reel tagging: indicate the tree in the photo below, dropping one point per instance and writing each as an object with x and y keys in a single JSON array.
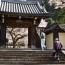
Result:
[
  {"x": 57, "y": 7},
  {"x": 59, "y": 16},
  {"x": 50, "y": 22},
  {"x": 15, "y": 35}
]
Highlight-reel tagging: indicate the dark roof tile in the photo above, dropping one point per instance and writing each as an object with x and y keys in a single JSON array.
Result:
[
  {"x": 25, "y": 8},
  {"x": 55, "y": 26}
]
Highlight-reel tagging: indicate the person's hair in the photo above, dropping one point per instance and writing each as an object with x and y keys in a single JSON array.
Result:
[{"x": 56, "y": 39}]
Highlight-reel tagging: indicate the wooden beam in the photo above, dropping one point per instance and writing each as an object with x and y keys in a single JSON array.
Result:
[{"x": 15, "y": 22}]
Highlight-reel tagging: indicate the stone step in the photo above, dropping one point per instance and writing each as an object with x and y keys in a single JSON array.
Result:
[
  {"x": 29, "y": 57},
  {"x": 32, "y": 62}
]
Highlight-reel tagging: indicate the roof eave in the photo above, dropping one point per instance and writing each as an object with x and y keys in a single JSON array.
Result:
[{"x": 27, "y": 14}]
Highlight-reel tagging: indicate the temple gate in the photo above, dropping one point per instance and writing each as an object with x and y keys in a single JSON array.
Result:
[{"x": 22, "y": 14}]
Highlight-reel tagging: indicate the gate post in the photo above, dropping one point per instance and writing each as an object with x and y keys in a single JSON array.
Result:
[
  {"x": 31, "y": 37},
  {"x": 2, "y": 32}
]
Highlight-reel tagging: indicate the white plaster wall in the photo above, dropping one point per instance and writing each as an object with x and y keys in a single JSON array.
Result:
[
  {"x": 62, "y": 39},
  {"x": 49, "y": 41}
]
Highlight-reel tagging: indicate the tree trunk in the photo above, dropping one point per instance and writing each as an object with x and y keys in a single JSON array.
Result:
[{"x": 13, "y": 44}]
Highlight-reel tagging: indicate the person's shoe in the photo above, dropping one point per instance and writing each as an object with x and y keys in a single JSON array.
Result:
[
  {"x": 42, "y": 49},
  {"x": 55, "y": 56},
  {"x": 58, "y": 59}
]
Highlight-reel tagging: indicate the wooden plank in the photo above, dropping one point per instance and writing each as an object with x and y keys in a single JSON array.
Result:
[{"x": 22, "y": 24}]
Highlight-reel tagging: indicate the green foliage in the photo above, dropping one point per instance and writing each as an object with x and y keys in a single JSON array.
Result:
[
  {"x": 60, "y": 15},
  {"x": 49, "y": 23}
]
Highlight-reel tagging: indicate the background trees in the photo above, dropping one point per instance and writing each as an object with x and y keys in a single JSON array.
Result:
[
  {"x": 56, "y": 7},
  {"x": 59, "y": 15},
  {"x": 16, "y": 34}
]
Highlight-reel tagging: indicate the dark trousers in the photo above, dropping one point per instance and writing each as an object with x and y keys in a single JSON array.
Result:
[{"x": 57, "y": 53}]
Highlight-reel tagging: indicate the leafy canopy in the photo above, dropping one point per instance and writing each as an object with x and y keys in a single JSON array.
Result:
[{"x": 59, "y": 16}]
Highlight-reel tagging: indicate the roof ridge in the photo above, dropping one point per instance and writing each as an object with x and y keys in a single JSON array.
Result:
[
  {"x": 18, "y": 1},
  {"x": 25, "y": 8}
]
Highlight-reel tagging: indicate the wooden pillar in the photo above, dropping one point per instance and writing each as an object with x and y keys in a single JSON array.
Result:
[
  {"x": 2, "y": 32},
  {"x": 29, "y": 37},
  {"x": 37, "y": 38},
  {"x": 3, "y": 35},
  {"x": 0, "y": 35},
  {"x": 33, "y": 37},
  {"x": 38, "y": 41}
]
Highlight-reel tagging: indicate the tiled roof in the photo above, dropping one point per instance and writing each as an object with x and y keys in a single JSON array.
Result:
[
  {"x": 62, "y": 26},
  {"x": 22, "y": 0},
  {"x": 23, "y": 8},
  {"x": 55, "y": 26}
]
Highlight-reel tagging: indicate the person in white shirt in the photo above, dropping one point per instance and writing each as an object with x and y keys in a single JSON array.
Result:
[{"x": 43, "y": 41}]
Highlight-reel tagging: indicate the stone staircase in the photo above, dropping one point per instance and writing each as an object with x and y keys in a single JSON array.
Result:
[{"x": 29, "y": 57}]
